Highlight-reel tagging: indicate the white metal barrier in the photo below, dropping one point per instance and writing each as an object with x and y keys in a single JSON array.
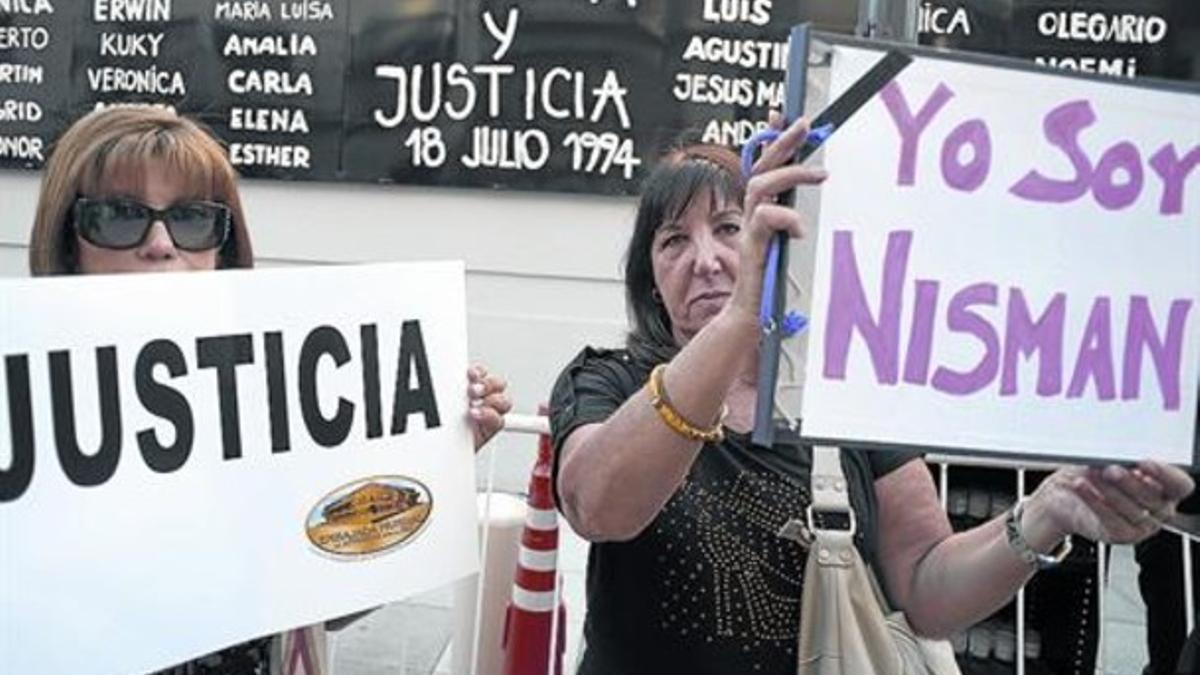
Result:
[
  {"x": 944, "y": 462},
  {"x": 524, "y": 424},
  {"x": 538, "y": 424}
]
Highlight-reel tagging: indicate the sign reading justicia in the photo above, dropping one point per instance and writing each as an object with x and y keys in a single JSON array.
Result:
[{"x": 288, "y": 450}]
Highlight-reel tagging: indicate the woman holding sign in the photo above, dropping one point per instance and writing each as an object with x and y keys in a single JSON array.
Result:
[
  {"x": 654, "y": 463},
  {"x": 139, "y": 189}
]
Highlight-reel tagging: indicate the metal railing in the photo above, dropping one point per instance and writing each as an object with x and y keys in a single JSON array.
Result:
[{"x": 525, "y": 424}]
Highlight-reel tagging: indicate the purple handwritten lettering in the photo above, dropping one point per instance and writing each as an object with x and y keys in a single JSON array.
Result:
[
  {"x": 1174, "y": 172},
  {"x": 1095, "y": 359},
  {"x": 1005, "y": 349},
  {"x": 848, "y": 310},
  {"x": 1108, "y": 193},
  {"x": 1061, "y": 126},
  {"x": 967, "y": 177},
  {"x": 1140, "y": 332},
  {"x": 920, "y": 337},
  {"x": 910, "y": 126},
  {"x": 961, "y": 319},
  {"x": 1024, "y": 336}
]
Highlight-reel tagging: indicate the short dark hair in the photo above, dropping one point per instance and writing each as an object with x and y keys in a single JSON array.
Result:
[{"x": 682, "y": 175}]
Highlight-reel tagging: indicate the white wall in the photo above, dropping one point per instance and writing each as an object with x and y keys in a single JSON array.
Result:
[{"x": 543, "y": 269}]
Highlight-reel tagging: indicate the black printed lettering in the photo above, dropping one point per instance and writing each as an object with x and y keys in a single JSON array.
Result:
[
  {"x": 165, "y": 402},
  {"x": 331, "y": 431},
  {"x": 370, "y": 366},
  {"x": 277, "y": 392},
  {"x": 225, "y": 353},
  {"x": 420, "y": 400},
  {"x": 15, "y": 479},
  {"x": 86, "y": 470}
]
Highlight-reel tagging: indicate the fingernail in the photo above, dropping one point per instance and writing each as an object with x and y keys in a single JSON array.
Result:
[
  {"x": 1114, "y": 474},
  {"x": 476, "y": 413},
  {"x": 477, "y": 389},
  {"x": 475, "y": 402}
]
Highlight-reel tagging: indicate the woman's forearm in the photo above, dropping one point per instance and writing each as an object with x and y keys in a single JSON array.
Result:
[
  {"x": 971, "y": 574},
  {"x": 945, "y": 582},
  {"x": 616, "y": 476}
]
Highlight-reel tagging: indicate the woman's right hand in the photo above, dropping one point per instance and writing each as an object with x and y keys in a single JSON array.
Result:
[
  {"x": 773, "y": 175},
  {"x": 1114, "y": 504}
]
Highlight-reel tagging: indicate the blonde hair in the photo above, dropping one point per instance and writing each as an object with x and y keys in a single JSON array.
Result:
[{"x": 128, "y": 140}]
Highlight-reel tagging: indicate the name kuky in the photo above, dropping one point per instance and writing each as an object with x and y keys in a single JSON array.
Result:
[
  {"x": 158, "y": 372},
  {"x": 131, "y": 44}
]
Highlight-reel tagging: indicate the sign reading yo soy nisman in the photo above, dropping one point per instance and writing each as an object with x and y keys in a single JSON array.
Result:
[
  {"x": 1009, "y": 261},
  {"x": 192, "y": 460}
]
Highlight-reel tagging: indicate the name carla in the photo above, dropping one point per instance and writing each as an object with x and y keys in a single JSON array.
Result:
[{"x": 160, "y": 362}]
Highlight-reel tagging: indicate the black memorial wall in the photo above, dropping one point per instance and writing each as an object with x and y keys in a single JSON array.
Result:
[
  {"x": 565, "y": 95},
  {"x": 562, "y": 95}
]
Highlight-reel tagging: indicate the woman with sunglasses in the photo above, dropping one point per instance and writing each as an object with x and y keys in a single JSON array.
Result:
[{"x": 140, "y": 189}]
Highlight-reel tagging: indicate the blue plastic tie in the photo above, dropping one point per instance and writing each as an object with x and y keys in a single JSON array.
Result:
[
  {"x": 765, "y": 308},
  {"x": 819, "y": 135},
  {"x": 793, "y": 322},
  {"x": 768, "y": 135}
]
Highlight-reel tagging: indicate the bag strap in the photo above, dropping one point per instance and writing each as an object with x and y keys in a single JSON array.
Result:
[
  {"x": 830, "y": 491},
  {"x": 828, "y": 481},
  {"x": 830, "y": 494}
]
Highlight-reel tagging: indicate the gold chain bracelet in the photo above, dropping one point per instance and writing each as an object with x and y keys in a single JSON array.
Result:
[{"x": 672, "y": 418}]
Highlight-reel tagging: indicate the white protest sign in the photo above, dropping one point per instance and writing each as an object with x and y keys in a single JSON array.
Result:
[
  {"x": 1008, "y": 261},
  {"x": 188, "y": 461}
]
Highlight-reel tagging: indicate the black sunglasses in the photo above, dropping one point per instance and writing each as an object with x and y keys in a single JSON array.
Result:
[{"x": 123, "y": 223}]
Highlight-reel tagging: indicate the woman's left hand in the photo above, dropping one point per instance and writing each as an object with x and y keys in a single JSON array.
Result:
[
  {"x": 1114, "y": 504},
  {"x": 488, "y": 403}
]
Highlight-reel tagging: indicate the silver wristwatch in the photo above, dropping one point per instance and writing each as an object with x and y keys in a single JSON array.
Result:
[{"x": 1016, "y": 539}]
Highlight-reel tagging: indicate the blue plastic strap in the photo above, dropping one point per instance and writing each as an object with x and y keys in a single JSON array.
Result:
[
  {"x": 766, "y": 308},
  {"x": 763, "y": 137},
  {"x": 793, "y": 322}
]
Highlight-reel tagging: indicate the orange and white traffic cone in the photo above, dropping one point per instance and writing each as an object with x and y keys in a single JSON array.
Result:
[{"x": 530, "y": 619}]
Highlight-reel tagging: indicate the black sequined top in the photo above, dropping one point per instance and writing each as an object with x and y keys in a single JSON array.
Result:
[{"x": 708, "y": 586}]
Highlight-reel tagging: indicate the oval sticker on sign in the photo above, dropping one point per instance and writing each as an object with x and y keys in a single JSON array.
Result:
[{"x": 369, "y": 516}]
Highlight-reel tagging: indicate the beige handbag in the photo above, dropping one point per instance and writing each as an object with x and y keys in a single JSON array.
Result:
[{"x": 845, "y": 627}]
